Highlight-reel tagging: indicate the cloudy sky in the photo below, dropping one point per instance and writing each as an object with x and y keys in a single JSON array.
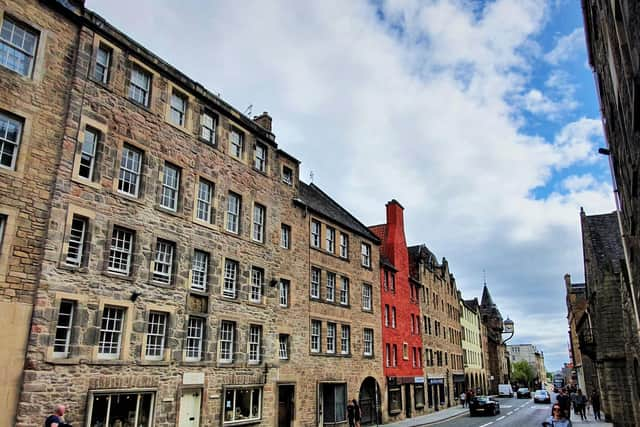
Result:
[{"x": 480, "y": 117}]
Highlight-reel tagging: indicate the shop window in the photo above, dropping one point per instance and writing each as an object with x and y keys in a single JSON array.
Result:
[
  {"x": 395, "y": 400},
  {"x": 334, "y": 402},
  {"x": 121, "y": 409},
  {"x": 418, "y": 395},
  {"x": 243, "y": 404}
]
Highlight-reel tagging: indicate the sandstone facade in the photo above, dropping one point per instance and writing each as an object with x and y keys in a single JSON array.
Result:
[{"x": 472, "y": 350}]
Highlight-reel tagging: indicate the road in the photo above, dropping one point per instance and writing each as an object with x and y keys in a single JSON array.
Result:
[{"x": 513, "y": 412}]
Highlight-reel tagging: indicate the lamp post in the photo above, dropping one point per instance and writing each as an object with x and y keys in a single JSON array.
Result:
[{"x": 508, "y": 328}]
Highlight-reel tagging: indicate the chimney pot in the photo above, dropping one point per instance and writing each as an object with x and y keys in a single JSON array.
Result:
[{"x": 264, "y": 120}]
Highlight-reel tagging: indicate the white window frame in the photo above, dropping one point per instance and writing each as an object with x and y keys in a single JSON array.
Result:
[
  {"x": 230, "y": 280},
  {"x": 203, "y": 203},
  {"x": 365, "y": 250},
  {"x": 344, "y": 291},
  {"x": 208, "y": 127},
  {"x": 331, "y": 239},
  {"x": 156, "y": 334},
  {"x": 287, "y": 175},
  {"x": 200, "y": 271},
  {"x": 316, "y": 232},
  {"x": 77, "y": 238},
  {"x": 88, "y": 152},
  {"x": 345, "y": 339},
  {"x": 285, "y": 236},
  {"x": 6, "y": 141},
  {"x": 255, "y": 406},
  {"x": 121, "y": 250},
  {"x": 368, "y": 342},
  {"x": 259, "y": 216},
  {"x": 163, "y": 261},
  {"x": 194, "y": 339},
  {"x": 139, "y": 85},
  {"x": 64, "y": 329},
  {"x": 315, "y": 282},
  {"x": 234, "y": 203},
  {"x": 316, "y": 336},
  {"x": 393, "y": 317},
  {"x": 111, "y": 331},
  {"x": 253, "y": 345},
  {"x": 260, "y": 157},
  {"x": 227, "y": 332},
  {"x": 101, "y": 68},
  {"x": 170, "y": 187},
  {"x": 331, "y": 287},
  {"x": 236, "y": 143},
  {"x": 367, "y": 292},
  {"x": 331, "y": 337},
  {"x": 344, "y": 245},
  {"x": 283, "y": 346},
  {"x": 257, "y": 283},
  {"x": 284, "y": 288},
  {"x": 386, "y": 315},
  {"x": 130, "y": 170},
  {"x": 26, "y": 52},
  {"x": 178, "y": 108}
]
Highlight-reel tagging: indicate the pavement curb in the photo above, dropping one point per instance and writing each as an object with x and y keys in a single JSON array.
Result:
[{"x": 441, "y": 420}]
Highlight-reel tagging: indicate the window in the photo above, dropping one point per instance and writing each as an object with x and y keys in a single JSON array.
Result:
[
  {"x": 344, "y": 291},
  {"x": 285, "y": 236},
  {"x": 255, "y": 335},
  {"x": 260, "y": 158},
  {"x": 233, "y": 213},
  {"x": 230, "y": 278},
  {"x": 111, "y": 329},
  {"x": 418, "y": 392},
  {"x": 163, "y": 263},
  {"x": 395, "y": 399},
  {"x": 130, "y": 166},
  {"x": 195, "y": 333},
  {"x": 242, "y": 404},
  {"x": 283, "y": 341},
  {"x": 393, "y": 317},
  {"x": 139, "y": 85},
  {"x": 156, "y": 331},
  {"x": 63, "y": 329},
  {"x": 110, "y": 409},
  {"x": 258, "y": 222},
  {"x": 284, "y": 292},
  {"x": 10, "y": 134},
  {"x": 203, "y": 207},
  {"x": 315, "y": 282},
  {"x": 387, "y": 357},
  {"x": 368, "y": 342},
  {"x": 103, "y": 60},
  {"x": 366, "y": 297},
  {"x": 178, "y": 109},
  {"x": 393, "y": 282},
  {"x": 170, "y": 187},
  {"x": 315, "y": 336},
  {"x": 208, "y": 128},
  {"x": 77, "y": 236},
  {"x": 226, "y": 341},
  {"x": 413, "y": 323},
  {"x": 17, "y": 46},
  {"x": 236, "y": 141},
  {"x": 287, "y": 175},
  {"x": 366, "y": 255},
  {"x": 386, "y": 315},
  {"x": 315, "y": 234},
  {"x": 345, "y": 341},
  {"x": 199, "y": 271},
  {"x": 331, "y": 286},
  {"x": 88, "y": 153},
  {"x": 394, "y": 356},
  {"x": 331, "y": 239},
  {"x": 344, "y": 245},
  {"x": 414, "y": 358},
  {"x": 120, "y": 251},
  {"x": 334, "y": 402},
  {"x": 331, "y": 337},
  {"x": 257, "y": 281}
]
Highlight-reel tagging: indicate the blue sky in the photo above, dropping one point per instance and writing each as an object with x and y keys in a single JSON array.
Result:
[{"x": 479, "y": 117}]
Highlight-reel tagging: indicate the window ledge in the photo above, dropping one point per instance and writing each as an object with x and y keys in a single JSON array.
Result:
[
  {"x": 73, "y": 268},
  {"x": 160, "y": 284},
  {"x": 202, "y": 363},
  {"x": 108, "y": 273},
  {"x": 63, "y": 361},
  {"x": 108, "y": 362},
  {"x": 207, "y": 143},
  {"x": 181, "y": 128},
  {"x": 128, "y": 197},
  {"x": 168, "y": 211},
  {"x": 205, "y": 224},
  {"x": 82, "y": 181},
  {"x": 154, "y": 363},
  {"x": 242, "y": 423},
  {"x": 257, "y": 304}
]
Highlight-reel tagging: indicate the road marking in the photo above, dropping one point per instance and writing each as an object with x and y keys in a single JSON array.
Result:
[
  {"x": 517, "y": 409},
  {"x": 509, "y": 413},
  {"x": 506, "y": 406},
  {"x": 501, "y": 418},
  {"x": 487, "y": 424}
]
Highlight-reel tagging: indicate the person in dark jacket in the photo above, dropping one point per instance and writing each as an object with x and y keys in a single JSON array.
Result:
[
  {"x": 564, "y": 401},
  {"x": 595, "y": 404},
  {"x": 57, "y": 418}
]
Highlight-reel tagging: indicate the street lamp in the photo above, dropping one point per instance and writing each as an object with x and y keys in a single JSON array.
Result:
[{"x": 508, "y": 329}]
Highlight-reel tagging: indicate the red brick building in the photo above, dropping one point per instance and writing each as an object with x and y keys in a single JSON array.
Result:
[{"x": 400, "y": 308}]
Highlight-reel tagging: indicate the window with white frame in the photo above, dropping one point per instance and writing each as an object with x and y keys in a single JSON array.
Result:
[
  {"x": 163, "y": 264},
  {"x": 17, "y": 46},
  {"x": 233, "y": 213},
  {"x": 258, "y": 222},
  {"x": 236, "y": 143},
  {"x": 103, "y": 61},
  {"x": 257, "y": 282},
  {"x": 331, "y": 239},
  {"x": 283, "y": 341},
  {"x": 226, "y": 341},
  {"x": 387, "y": 355},
  {"x": 287, "y": 175},
  {"x": 111, "y": 330},
  {"x": 170, "y": 187},
  {"x": 366, "y": 255},
  {"x": 110, "y": 409},
  {"x": 345, "y": 339},
  {"x": 366, "y": 297},
  {"x": 285, "y": 236},
  {"x": 139, "y": 85},
  {"x": 315, "y": 282},
  {"x": 315, "y": 233},
  {"x": 77, "y": 237},
  {"x": 156, "y": 332},
  {"x": 344, "y": 291},
  {"x": 284, "y": 292},
  {"x": 88, "y": 153},
  {"x": 393, "y": 317},
  {"x": 120, "y": 251},
  {"x": 344, "y": 245},
  {"x": 178, "y": 108},
  {"x": 208, "y": 127},
  {"x": 10, "y": 136},
  {"x": 316, "y": 328},
  {"x": 386, "y": 315},
  {"x": 368, "y": 342},
  {"x": 331, "y": 286},
  {"x": 331, "y": 337},
  {"x": 195, "y": 337},
  {"x": 62, "y": 341},
  {"x": 255, "y": 338},
  {"x": 394, "y": 355},
  {"x": 230, "y": 283},
  {"x": 203, "y": 204},
  {"x": 260, "y": 157},
  {"x": 242, "y": 404},
  {"x": 199, "y": 271},
  {"x": 130, "y": 168}
]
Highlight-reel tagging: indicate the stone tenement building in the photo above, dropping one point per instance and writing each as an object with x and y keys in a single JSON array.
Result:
[
  {"x": 578, "y": 320},
  {"x": 442, "y": 336},
  {"x": 472, "y": 351},
  {"x": 495, "y": 349},
  {"x": 534, "y": 357}
]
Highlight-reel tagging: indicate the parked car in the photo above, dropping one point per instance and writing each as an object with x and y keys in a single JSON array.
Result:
[
  {"x": 483, "y": 405},
  {"x": 542, "y": 396},
  {"x": 523, "y": 393},
  {"x": 505, "y": 390}
]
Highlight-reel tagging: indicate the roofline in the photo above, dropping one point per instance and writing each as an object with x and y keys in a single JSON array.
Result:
[{"x": 287, "y": 155}]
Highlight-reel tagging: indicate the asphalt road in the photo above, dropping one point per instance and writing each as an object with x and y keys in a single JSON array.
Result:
[{"x": 513, "y": 412}]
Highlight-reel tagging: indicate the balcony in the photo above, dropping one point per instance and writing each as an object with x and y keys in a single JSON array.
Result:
[{"x": 587, "y": 342}]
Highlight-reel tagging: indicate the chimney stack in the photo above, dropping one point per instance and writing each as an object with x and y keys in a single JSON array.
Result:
[
  {"x": 567, "y": 280},
  {"x": 264, "y": 120}
]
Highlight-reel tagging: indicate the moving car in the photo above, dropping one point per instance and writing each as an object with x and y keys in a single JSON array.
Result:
[
  {"x": 505, "y": 390},
  {"x": 541, "y": 396},
  {"x": 483, "y": 405},
  {"x": 523, "y": 393}
]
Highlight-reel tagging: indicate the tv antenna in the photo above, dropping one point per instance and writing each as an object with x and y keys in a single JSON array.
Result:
[
  {"x": 247, "y": 111},
  {"x": 311, "y": 176}
]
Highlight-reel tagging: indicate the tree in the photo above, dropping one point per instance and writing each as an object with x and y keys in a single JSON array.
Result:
[{"x": 523, "y": 372}]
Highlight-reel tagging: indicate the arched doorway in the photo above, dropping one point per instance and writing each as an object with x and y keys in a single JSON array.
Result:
[{"x": 369, "y": 399}]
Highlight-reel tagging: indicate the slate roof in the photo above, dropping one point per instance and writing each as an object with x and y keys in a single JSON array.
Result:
[
  {"x": 320, "y": 203},
  {"x": 486, "y": 300},
  {"x": 605, "y": 239}
]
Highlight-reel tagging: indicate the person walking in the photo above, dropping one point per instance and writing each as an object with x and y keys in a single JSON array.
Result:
[
  {"x": 564, "y": 401},
  {"x": 357, "y": 412},
  {"x": 351, "y": 413},
  {"x": 463, "y": 398},
  {"x": 558, "y": 418},
  {"x": 580, "y": 403},
  {"x": 595, "y": 404},
  {"x": 57, "y": 418}
]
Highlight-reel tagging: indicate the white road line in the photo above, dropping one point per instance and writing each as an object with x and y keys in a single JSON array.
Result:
[
  {"x": 501, "y": 418},
  {"x": 517, "y": 409},
  {"x": 509, "y": 413},
  {"x": 487, "y": 424}
]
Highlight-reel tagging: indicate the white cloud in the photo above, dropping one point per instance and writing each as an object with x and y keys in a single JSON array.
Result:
[{"x": 567, "y": 47}]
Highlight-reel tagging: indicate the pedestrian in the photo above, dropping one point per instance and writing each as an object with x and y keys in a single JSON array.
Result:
[
  {"x": 463, "y": 398},
  {"x": 564, "y": 401},
  {"x": 57, "y": 418},
  {"x": 351, "y": 413},
  {"x": 558, "y": 418},
  {"x": 581, "y": 404},
  {"x": 357, "y": 412},
  {"x": 595, "y": 404}
]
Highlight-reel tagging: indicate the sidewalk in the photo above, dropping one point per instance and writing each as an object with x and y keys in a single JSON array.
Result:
[{"x": 434, "y": 417}]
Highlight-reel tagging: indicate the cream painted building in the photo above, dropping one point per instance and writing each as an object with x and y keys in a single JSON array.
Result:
[{"x": 474, "y": 367}]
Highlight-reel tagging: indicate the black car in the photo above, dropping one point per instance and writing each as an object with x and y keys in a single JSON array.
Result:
[
  {"x": 483, "y": 405},
  {"x": 523, "y": 393}
]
